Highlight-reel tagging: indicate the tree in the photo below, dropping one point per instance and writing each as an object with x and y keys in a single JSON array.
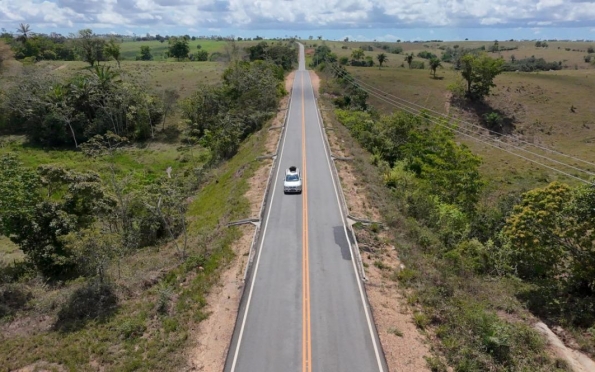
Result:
[
  {"x": 479, "y": 72},
  {"x": 89, "y": 47},
  {"x": 434, "y": 64},
  {"x": 357, "y": 54},
  {"x": 145, "y": 53},
  {"x": 409, "y": 59},
  {"x": 24, "y": 30},
  {"x": 381, "y": 59},
  {"x": 112, "y": 50},
  {"x": 38, "y": 209},
  {"x": 178, "y": 48}
]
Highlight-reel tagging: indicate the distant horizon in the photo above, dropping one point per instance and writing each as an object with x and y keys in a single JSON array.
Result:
[
  {"x": 270, "y": 35},
  {"x": 358, "y": 20}
]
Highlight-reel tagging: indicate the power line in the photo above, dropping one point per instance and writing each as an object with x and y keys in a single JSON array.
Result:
[
  {"x": 400, "y": 105},
  {"x": 435, "y": 120},
  {"x": 480, "y": 127}
]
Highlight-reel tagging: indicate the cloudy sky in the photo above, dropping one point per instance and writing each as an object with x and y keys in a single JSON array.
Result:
[{"x": 386, "y": 20}]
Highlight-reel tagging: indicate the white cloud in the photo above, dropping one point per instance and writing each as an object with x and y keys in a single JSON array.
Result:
[
  {"x": 388, "y": 38},
  {"x": 296, "y": 14}
]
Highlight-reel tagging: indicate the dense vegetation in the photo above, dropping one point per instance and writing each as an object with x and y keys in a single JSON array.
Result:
[
  {"x": 82, "y": 217},
  {"x": 472, "y": 258},
  {"x": 531, "y": 64}
]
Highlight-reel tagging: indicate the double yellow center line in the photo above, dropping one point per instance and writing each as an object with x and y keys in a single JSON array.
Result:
[{"x": 306, "y": 333}]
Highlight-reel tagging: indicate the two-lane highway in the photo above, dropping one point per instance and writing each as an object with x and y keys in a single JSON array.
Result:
[{"x": 304, "y": 307}]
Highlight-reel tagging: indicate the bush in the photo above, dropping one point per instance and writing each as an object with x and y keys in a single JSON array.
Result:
[
  {"x": 13, "y": 298},
  {"x": 426, "y": 55},
  {"x": 94, "y": 301},
  {"x": 418, "y": 65},
  {"x": 396, "y": 50}
]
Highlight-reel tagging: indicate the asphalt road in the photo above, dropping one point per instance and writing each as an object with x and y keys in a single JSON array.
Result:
[{"x": 304, "y": 308}]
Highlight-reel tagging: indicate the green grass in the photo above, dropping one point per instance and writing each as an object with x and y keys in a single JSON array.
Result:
[
  {"x": 142, "y": 163},
  {"x": 9, "y": 252},
  {"x": 130, "y": 49},
  {"x": 158, "y": 75}
]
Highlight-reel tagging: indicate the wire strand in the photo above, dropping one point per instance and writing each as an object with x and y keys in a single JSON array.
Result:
[{"x": 435, "y": 121}]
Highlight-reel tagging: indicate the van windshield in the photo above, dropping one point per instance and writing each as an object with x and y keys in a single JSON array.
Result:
[{"x": 292, "y": 177}]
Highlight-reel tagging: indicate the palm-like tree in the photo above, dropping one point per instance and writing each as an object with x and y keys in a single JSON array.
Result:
[
  {"x": 24, "y": 30},
  {"x": 381, "y": 59},
  {"x": 434, "y": 64},
  {"x": 105, "y": 77}
]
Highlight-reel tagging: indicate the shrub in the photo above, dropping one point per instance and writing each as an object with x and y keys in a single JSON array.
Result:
[
  {"x": 426, "y": 55},
  {"x": 418, "y": 65},
  {"x": 93, "y": 301},
  {"x": 396, "y": 50}
]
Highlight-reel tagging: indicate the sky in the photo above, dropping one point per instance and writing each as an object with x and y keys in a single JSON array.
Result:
[{"x": 359, "y": 20}]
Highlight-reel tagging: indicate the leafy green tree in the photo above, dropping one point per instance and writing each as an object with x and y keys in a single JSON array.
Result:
[
  {"x": 179, "y": 48},
  {"x": 112, "y": 50},
  {"x": 321, "y": 54},
  {"x": 145, "y": 53},
  {"x": 18, "y": 195},
  {"x": 434, "y": 64},
  {"x": 450, "y": 170},
  {"x": 357, "y": 54},
  {"x": 479, "y": 72},
  {"x": 409, "y": 59},
  {"x": 382, "y": 58},
  {"x": 89, "y": 47},
  {"x": 37, "y": 223}
]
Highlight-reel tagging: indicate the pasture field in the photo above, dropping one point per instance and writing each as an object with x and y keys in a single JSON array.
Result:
[
  {"x": 157, "y": 75},
  {"x": 130, "y": 49},
  {"x": 571, "y": 53},
  {"x": 551, "y": 109}
]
